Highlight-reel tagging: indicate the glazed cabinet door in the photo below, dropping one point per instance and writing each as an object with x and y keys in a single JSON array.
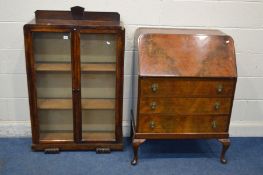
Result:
[
  {"x": 98, "y": 71},
  {"x": 53, "y": 85}
]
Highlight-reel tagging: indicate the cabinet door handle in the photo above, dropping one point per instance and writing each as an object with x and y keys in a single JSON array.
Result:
[
  {"x": 154, "y": 87},
  {"x": 76, "y": 90},
  {"x": 152, "y": 124},
  {"x": 219, "y": 88},
  {"x": 217, "y": 106},
  {"x": 214, "y": 124},
  {"x": 153, "y": 105}
]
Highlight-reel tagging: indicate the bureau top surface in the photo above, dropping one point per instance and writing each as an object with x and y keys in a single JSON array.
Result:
[{"x": 185, "y": 53}]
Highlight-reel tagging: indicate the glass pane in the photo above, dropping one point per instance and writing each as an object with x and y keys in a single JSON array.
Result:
[
  {"x": 98, "y": 48},
  {"x": 55, "y": 124},
  {"x": 98, "y": 125},
  {"x": 54, "y": 85},
  {"x": 98, "y": 85},
  {"x": 52, "y": 47},
  {"x": 52, "y": 52}
]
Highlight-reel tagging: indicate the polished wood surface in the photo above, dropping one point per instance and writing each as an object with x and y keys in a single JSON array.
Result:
[
  {"x": 54, "y": 20},
  {"x": 136, "y": 143},
  {"x": 185, "y": 106},
  {"x": 187, "y": 87},
  {"x": 177, "y": 31},
  {"x": 77, "y": 17},
  {"x": 225, "y": 145},
  {"x": 186, "y": 84},
  {"x": 186, "y": 55},
  {"x": 76, "y": 92},
  {"x": 75, "y": 23},
  {"x": 32, "y": 94},
  {"x": 191, "y": 135},
  {"x": 160, "y": 123}
]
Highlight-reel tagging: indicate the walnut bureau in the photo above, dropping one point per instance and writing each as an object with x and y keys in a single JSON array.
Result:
[{"x": 185, "y": 86}]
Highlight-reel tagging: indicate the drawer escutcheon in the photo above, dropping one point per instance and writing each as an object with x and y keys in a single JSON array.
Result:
[
  {"x": 217, "y": 105},
  {"x": 152, "y": 124},
  {"x": 214, "y": 124},
  {"x": 220, "y": 88},
  {"x": 154, "y": 87},
  {"x": 153, "y": 105}
]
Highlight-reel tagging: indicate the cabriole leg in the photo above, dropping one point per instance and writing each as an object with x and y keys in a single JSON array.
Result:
[
  {"x": 225, "y": 146},
  {"x": 136, "y": 143}
]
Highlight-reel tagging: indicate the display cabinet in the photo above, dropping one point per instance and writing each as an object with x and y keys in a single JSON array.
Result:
[{"x": 74, "y": 63}]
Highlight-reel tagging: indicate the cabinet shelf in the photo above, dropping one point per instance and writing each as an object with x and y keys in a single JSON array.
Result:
[
  {"x": 86, "y": 136},
  {"x": 98, "y": 67},
  {"x": 98, "y": 136},
  {"x": 42, "y": 67},
  {"x": 65, "y": 67},
  {"x": 56, "y": 136},
  {"x": 67, "y": 104}
]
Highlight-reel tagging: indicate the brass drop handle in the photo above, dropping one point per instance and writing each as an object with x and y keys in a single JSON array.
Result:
[
  {"x": 154, "y": 87},
  {"x": 213, "y": 124},
  {"x": 220, "y": 88},
  {"x": 152, "y": 124},
  {"x": 153, "y": 105},
  {"x": 217, "y": 106}
]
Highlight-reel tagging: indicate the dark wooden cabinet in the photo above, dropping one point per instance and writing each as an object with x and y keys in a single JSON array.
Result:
[
  {"x": 185, "y": 86},
  {"x": 74, "y": 63}
]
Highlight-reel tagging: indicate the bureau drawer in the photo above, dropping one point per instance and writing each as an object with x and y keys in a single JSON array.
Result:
[
  {"x": 188, "y": 87},
  {"x": 182, "y": 124},
  {"x": 185, "y": 106}
]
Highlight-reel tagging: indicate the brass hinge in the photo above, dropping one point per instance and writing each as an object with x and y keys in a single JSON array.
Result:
[
  {"x": 103, "y": 150},
  {"x": 51, "y": 150}
]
